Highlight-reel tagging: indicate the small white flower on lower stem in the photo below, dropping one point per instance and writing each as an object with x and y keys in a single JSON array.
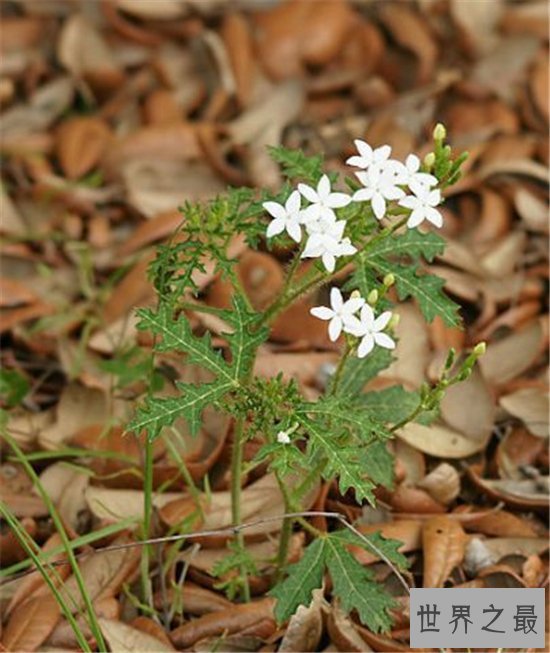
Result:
[
  {"x": 283, "y": 437},
  {"x": 370, "y": 330},
  {"x": 287, "y": 217},
  {"x": 323, "y": 200},
  {"x": 341, "y": 313},
  {"x": 380, "y": 185},
  {"x": 413, "y": 174},
  {"x": 326, "y": 242},
  {"x": 367, "y": 156},
  {"x": 423, "y": 204}
]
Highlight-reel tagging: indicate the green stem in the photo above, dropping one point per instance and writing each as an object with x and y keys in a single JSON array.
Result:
[
  {"x": 147, "y": 513},
  {"x": 199, "y": 308},
  {"x": 23, "y": 538},
  {"x": 286, "y": 531},
  {"x": 340, "y": 369},
  {"x": 58, "y": 523},
  {"x": 236, "y": 471},
  {"x": 193, "y": 490}
]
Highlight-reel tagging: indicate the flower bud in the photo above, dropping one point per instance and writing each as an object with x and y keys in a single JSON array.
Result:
[
  {"x": 439, "y": 133},
  {"x": 429, "y": 160},
  {"x": 355, "y": 295},
  {"x": 389, "y": 280},
  {"x": 282, "y": 437},
  {"x": 480, "y": 348},
  {"x": 372, "y": 297},
  {"x": 395, "y": 318}
]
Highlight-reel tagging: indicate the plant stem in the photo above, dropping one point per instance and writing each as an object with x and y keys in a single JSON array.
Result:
[
  {"x": 236, "y": 471},
  {"x": 58, "y": 523},
  {"x": 147, "y": 512},
  {"x": 286, "y": 531},
  {"x": 340, "y": 369}
]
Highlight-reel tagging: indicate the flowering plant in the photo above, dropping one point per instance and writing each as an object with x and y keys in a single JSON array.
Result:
[{"x": 368, "y": 236}]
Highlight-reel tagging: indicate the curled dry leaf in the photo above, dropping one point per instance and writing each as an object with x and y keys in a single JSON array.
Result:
[
  {"x": 80, "y": 145},
  {"x": 531, "y": 406},
  {"x": 502, "y": 524},
  {"x": 305, "y": 627},
  {"x": 123, "y": 638},
  {"x": 482, "y": 553},
  {"x": 236, "y": 619},
  {"x": 442, "y": 483},
  {"x": 525, "y": 493},
  {"x": 440, "y": 441},
  {"x": 31, "y": 623},
  {"x": 478, "y": 23},
  {"x": 66, "y": 487},
  {"x": 343, "y": 632},
  {"x": 532, "y": 209},
  {"x": 196, "y": 599},
  {"x": 444, "y": 542},
  {"x": 517, "y": 449}
]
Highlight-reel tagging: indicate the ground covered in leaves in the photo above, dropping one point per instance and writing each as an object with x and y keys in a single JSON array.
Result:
[{"x": 116, "y": 113}]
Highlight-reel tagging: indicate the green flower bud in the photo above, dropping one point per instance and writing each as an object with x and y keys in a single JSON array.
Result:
[
  {"x": 429, "y": 160},
  {"x": 389, "y": 280},
  {"x": 480, "y": 348},
  {"x": 355, "y": 294},
  {"x": 372, "y": 297},
  {"x": 394, "y": 320},
  {"x": 439, "y": 133}
]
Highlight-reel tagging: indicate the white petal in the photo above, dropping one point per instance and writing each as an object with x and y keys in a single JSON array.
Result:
[
  {"x": 393, "y": 192},
  {"x": 363, "y": 177},
  {"x": 363, "y": 195},
  {"x": 378, "y": 205},
  {"x": 418, "y": 189},
  {"x": 353, "y": 305},
  {"x": 357, "y": 162},
  {"x": 322, "y": 312},
  {"x": 294, "y": 230},
  {"x": 425, "y": 178},
  {"x": 328, "y": 261},
  {"x": 345, "y": 248},
  {"x": 337, "y": 229},
  {"x": 383, "y": 340},
  {"x": 364, "y": 149},
  {"x": 314, "y": 246},
  {"x": 337, "y": 200},
  {"x": 293, "y": 202},
  {"x": 409, "y": 202},
  {"x": 434, "y": 216},
  {"x": 275, "y": 227},
  {"x": 381, "y": 153},
  {"x": 366, "y": 346},
  {"x": 275, "y": 209},
  {"x": 308, "y": 192},
  {"x": 353, "y": 325},
  {"x": 311, "y": 213},
  {"x": 367, "y": 316},
  {"x": 327, "y": 214},
  {"x": 413, "y": 163},
  {"x": 336, "y": 299},
  {"x": 434, "y": 197},
  {"x": 335, "y": 328},
  {"x": 416, "y": 218},
  {"x": 323, "y": 187},
  {"x": 382, "y": 320}
]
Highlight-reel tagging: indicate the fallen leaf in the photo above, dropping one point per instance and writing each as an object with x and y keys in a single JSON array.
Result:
[
  {"x": 343, "y": 632},
  {"x": 444, "y": 543},
  {"x": 122, "y": 638},
  {"x": 531, "y": 406},
  {"x": 442, "y": 483},
  {"x": 31, "y": 623}
]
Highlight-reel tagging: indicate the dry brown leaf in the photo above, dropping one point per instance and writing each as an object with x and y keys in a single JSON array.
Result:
[
  {"x": 343, "y": 633},
  {"x": 122, "y": 638},
  {"x": 407, "y": 531},
  {"x": 66, "y": 487},
  {"x": 531, "y": 406},
  {"x": 440, "y": 441},
  {"x": 31, "y": 623},
  {"x": 81, "y": 142},
  {"x": 442, "y": 483},
  {"x": 532, "y": 209},
  {"x": 236, "y": 619},
  {"x": 478, "y": 22},
  {"x": 305, "y": 627},
  {"x": 524, "y": 493},
  {"x": 481, "y": 553},
  {"x": 517, "y": 449},
  {"x": 196, "y": 599},
  {"x": 502, "y": 524},
  {"x": 443, "y": 543}
]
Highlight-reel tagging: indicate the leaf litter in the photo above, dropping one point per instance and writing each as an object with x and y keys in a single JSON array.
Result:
[{"x": 139, "y": 107}]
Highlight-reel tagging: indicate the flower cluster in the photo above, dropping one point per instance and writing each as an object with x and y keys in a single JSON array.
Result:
[
  {"x": 355, "y": 317},
  {"x": 383, "y": 180}
]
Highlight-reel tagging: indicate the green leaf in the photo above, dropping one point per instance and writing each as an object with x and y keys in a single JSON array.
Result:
[
  {"x": 158, "y": 413},
  {"x": 303, "y": 577},
  {"x": 13, "y": 387},
  {"x": 413, "y": 244},
  {"x": 427, "y": 289},
  {"x": 296, "y": 165},
  {"x": 354, "y": 585},
  {"x": 377, "y": 544},
  {"x": 378, "y": 463},
  {"x": 359, "y": 371},
  {"x": 391, "y": 404},
  {"x": 343, "y": 460}
]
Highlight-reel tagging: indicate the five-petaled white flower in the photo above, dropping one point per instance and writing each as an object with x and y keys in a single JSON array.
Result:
[
  {"x": 287, "y": 217},
  {"x": 380, "y": 185},
  {"x": 423, "y": 204},
  {"x": 367, "y": 156},
  {"x": 369, "y": 329},
  {"x": 323, "y": 201},
  {"x": 413, "y": 174},
  {"x": 326, "y": 241},
  {"x": 283, "y": 437},
  {"x": 341, "y": 313}
]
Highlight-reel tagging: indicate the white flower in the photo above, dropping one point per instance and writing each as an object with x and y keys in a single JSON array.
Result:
[
  {"x": 370, "y": 329},
  {"x": 380, "y": 185},
  {"x": 367, "y": 156},
  {"x": 283, "y": 437},
  {"x": 323, "y": 201},
  {"x": 287, "y": 217},
  {"x": 340, "y": 313},
  {"x": 412, "y": 168},
  {"x": 423, "y": 204},
  {"x": 326, "y": 242}
]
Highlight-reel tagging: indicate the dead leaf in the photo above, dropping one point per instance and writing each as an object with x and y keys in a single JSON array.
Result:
[
  {"x": 305, "y": 627},
  {"x": 517, "y": 449},
  {"x": 531, "y": 406},
  {"x": 122, "y": 638},
  {"x": 31, "y": 623},
  {"x": 442, "y": 483},
  {"x": 444, "y": 544},
  {"x": 80, "y": 145},
  {"x": 343, "y": 633},
  {"x": 196, "y": 600},
  {"x": 407, "y": 531},
  {"x": 66, "y": 487},
  {"x": 478, "y": 22}
]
